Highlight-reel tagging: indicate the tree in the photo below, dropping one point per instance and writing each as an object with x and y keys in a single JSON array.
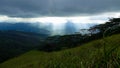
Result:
[{"x": 112, "y": 22}]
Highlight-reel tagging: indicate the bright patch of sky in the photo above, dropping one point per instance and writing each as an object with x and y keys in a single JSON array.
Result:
[
  {"x": 59, "y": 23},
  {"x": 59, "y": 20}
]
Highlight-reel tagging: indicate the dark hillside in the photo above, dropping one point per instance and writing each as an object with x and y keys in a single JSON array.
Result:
[{"x": 14, "y": 43}]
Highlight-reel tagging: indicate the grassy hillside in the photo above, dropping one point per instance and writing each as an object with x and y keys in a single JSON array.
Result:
[
  {"x": 14, "y": 43},
  {"x": 104, "y": 53}
]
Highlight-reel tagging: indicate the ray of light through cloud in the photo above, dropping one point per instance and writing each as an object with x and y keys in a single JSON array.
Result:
[{"x": 59, "y": 23}]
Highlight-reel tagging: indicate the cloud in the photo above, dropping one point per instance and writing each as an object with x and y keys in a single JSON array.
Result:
[
  {"x": 38, "y": 8},
  {"x": 101, "y": 18}
]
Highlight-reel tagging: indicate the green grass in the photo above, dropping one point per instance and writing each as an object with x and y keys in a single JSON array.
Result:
[{"x": 90, "y": 55}]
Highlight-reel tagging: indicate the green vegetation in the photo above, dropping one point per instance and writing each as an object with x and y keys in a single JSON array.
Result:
[
  {"x": 103, "y": 53},
  {"x": 57, "y": 43},
  {"x": 99, "y": 48},
  {"x": 15, "y": 43}
]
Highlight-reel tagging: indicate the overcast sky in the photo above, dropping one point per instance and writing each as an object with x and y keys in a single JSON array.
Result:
[
  {"x": 37, "y": 8},
  {"x": 81, "y": 13},
  {"x": 32, "y": 10}
]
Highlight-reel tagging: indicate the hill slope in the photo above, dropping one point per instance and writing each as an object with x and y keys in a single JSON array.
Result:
[
  {"x": 14, "y": 43},
  {"x": 92, "y": 55}
]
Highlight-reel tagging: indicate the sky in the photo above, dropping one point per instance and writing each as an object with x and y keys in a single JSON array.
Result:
[
  {"x": 58, "y": 12},
  {"x": 53, "y": 10}
]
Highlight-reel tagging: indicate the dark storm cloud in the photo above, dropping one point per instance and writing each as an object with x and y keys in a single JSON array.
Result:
[{"x": 35, "y": 8}]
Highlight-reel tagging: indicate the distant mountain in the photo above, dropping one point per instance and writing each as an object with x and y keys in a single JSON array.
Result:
[
  {"x": 70, "y": 28},
  {"x": 26, "y": 27},
  {"x": 46, "y": 28}
]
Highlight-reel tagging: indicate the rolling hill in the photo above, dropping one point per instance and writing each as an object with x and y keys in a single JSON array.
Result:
[
  {"x": 14, "y": 43},
  {"x": 103, "y": 53}
]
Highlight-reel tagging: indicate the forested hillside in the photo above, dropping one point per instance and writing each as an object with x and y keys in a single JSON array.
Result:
[
  {"x": 96, "y": 54},
  {"x": 98, "y": 47},
  {"x": 14, "y": 43}
]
